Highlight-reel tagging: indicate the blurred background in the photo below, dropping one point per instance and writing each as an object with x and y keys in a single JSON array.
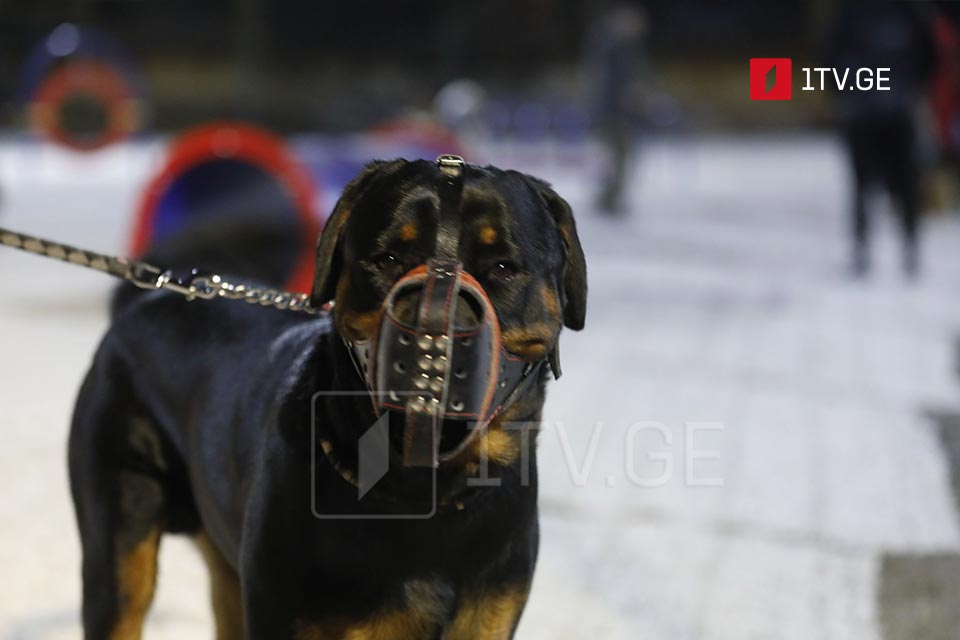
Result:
[
  {"x": 307, "y": 67},
  {"x": 756, "y": 436}
]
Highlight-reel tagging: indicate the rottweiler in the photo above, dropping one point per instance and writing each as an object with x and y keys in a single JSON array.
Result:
[{"x": 204, "y": 419}]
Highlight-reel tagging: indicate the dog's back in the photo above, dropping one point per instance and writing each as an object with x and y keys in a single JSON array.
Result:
[
  {"x": 256, "y": 248},
  {"x": 166, "y": 366}
]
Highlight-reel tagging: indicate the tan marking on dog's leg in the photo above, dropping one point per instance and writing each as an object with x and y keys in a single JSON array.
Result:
[
  {"x": 491, "y": 616},
  {"x": 426, "y": 608},
  {"x": 225, "y": 594},
  {"x": 400, "y": 625},
  {"x": 327, "y": 630},
  {"x": 137, "y": 580}
]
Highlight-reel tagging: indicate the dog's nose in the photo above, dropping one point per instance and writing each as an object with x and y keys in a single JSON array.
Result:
[{"x": 467, "y": 312}]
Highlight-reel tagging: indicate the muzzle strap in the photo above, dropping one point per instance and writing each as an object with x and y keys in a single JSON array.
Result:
[
  {"x": 420, "y": 433},
  {"x": 435, "y": 323},
  {"x": 434, "y": 346},
  {"x": 450, "y": 190}
]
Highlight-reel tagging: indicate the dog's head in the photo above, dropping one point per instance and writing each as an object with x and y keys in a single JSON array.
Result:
[
  {"x": 518, "y": 238},
  {"x": 516, "y": 242}
]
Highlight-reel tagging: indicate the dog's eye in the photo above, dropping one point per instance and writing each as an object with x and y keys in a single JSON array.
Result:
[
  {"x": 502, "y": 272},
  {"x": 387, "y": 262}
]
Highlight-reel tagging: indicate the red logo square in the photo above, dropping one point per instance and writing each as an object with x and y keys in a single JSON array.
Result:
[{"x": 771, "y": 78}]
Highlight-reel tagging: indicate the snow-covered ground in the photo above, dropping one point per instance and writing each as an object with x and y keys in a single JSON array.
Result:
[{"x": 738, "y": 439}]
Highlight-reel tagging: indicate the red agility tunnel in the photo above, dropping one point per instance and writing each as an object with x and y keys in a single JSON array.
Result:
[{"x": 227, "y": 176}]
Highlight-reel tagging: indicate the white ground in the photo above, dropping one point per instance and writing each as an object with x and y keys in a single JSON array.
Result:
[{"x": 722, "y": 299}]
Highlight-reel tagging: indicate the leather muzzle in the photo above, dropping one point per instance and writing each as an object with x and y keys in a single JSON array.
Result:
[{"x": 435, "y": 370}]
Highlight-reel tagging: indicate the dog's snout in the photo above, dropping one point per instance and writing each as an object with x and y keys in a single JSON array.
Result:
[
  {"x": 467, "y": 311},
  {"x": 406, "y": 305}
]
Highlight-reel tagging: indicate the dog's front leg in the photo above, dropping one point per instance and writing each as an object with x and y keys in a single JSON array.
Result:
[
  {"x": 280, "y": 605},
  {"x": 492, "y": 615},
  {"x": 394, "y": 624},
  {"x": 268, "y": 605}
]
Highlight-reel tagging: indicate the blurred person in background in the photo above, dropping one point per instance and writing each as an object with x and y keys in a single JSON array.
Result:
[
  {"x": 943, "y": 180},
  {"x": 617, "y": 71},
  {"x": 879, "y": 125}
]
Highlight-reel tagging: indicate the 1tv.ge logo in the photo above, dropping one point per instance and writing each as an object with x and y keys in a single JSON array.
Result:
[{"x": 772, "y": 79}]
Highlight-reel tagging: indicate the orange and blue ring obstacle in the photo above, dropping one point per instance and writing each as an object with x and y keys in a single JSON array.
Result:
[
  {"x": 76, "y": 68},
  {"x": 228, "y": 169}
]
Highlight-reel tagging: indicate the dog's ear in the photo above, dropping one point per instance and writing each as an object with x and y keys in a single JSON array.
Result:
[
  {"x": 329, "y": 250},
  {"x": 575, "y": 266}
]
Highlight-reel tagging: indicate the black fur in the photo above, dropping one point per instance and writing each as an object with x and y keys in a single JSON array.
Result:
[{"x": 196, "y": 416}]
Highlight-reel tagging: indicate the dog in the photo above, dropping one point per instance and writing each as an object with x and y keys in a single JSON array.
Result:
[{"x": 204, "y": 419}]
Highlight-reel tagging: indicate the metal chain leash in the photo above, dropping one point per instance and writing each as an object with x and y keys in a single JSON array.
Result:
[{"x": 147, "y": 276}]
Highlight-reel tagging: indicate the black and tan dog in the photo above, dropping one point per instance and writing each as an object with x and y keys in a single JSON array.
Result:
[{"x": 196, "y": 418}]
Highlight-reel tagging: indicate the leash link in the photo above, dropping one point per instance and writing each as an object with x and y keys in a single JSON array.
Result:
[
  {"x": 144, "y": 276},
  {"x": 197, "y": 285}
]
